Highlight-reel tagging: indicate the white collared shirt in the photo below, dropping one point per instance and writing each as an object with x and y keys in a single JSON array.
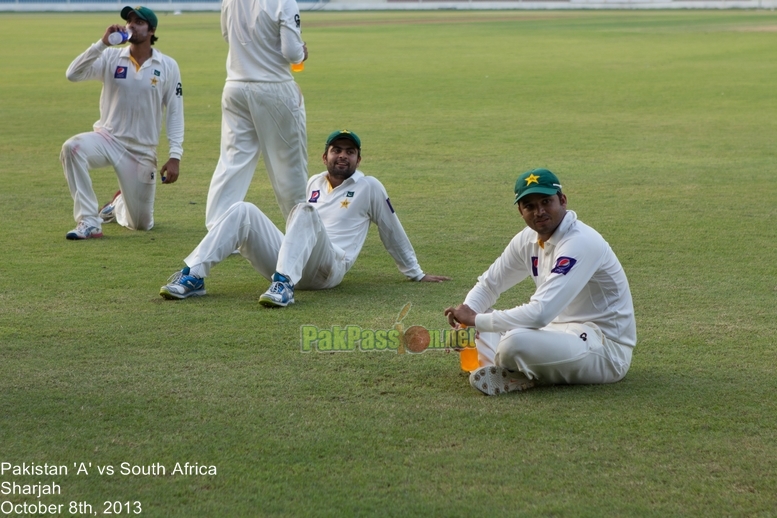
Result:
[
  {"x": 264, "y": 38},
  {"x": 347, "y": 210},
  {"x": 132, "y": 101},
  {"x": 578, "y": 279}
]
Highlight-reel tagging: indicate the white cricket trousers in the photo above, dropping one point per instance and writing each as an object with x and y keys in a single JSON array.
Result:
[
  {"x": 134, "y": 209},
  {"x": 305, "y": 254},
  {"x": 266, "y": 119},
  {"x": 574, "y": 353}
]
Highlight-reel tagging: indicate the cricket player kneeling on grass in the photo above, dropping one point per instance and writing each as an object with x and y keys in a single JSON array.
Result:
[
  {"x": 578, "y": 327},
  {"x": 138, "y": 84},
  {"x": 323, "y": 235}
]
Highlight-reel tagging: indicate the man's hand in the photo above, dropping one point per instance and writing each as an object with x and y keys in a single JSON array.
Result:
[
  {"x": 169, "y": 171},
  {"x": 110, "y": 30},
  {"x": 433, "y": 278},
  {"x": 462, "y": 314}
]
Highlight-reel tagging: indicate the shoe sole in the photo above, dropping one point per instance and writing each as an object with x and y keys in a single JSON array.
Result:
[
  {"x": 493, "y": 381},
  {"x": 174, "y": 296},
  {"x": 76, "y": 237},
  {"x": 269, "y": 303}
]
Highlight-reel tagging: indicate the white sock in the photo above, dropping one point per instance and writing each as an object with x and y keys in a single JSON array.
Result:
[{"x": 196, "y": 270}]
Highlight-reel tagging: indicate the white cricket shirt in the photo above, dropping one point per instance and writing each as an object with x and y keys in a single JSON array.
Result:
[
  {"x": 578, "y": 278},
  {"x": 264, "y": 38},
  {"x": 347, "y": 210},
  {"x": 132, "y": 101}
]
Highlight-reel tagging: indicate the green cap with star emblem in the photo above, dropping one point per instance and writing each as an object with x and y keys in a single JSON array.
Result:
[
  {"x": 144, "y": 13},
  {"x": 539, "y": 181},
  {"x": 344, "y": 134}
]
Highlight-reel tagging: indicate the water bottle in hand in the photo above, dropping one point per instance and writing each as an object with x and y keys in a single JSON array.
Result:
[{"x": 118, "y": 37}]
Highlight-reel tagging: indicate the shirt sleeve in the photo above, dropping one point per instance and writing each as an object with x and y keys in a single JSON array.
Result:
[
  {"x": 552, "y": 296},
  {"x": 291, "y": 35},
  {"x": 173, "y": 100},
  {"x": 508, "y": 270},
  {"x": 391, "y": 232},
  {"x": 88, "y": 65}
]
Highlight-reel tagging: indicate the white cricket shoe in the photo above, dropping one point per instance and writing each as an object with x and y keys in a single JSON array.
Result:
[
  {"x": 84, "y": 231},
  {"x": 182, "y": 285},
  {"x": 493, "y": 380},
  {"x": 107, "y": 213},
  {"x": 280, "y": 294}
]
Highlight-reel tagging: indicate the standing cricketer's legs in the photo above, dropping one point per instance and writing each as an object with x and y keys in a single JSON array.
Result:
[
  {"x": 79, "y": 154},
  {"x": 574, "y": 353},
  {"x": 239, "y": 154},
  {"x": 244, "y": 227},
  {"x": 278, "y": 112},
  {"x": 267, "y": 119},
  {"x": 307, "y": 257}
]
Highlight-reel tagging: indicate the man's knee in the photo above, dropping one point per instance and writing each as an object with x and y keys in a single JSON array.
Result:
[
  {"x": 301, "y": 208},
  {"x": 142, "y": 224},
  {"x": 302, "y": 214},
  {"x": 516, "y": 342},
  {"x": 70, "y": 148}
]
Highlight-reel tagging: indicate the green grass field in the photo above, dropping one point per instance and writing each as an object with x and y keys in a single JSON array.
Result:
[{"x": 661, "y": 126}]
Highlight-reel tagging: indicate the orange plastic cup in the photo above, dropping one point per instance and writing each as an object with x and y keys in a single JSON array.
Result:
[
  {"x": 469, "y": 359},
  {"x": 468, "y": 356}
]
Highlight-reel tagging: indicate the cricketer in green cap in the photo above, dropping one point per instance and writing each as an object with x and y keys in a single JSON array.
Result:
[
  {"x": 539, "y": 181},
  {"x": 144, "y": 13},
  {"x": 353, "y": 137}
]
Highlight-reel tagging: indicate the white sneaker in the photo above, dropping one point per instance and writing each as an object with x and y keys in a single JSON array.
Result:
[
  {"x": 107, "y": 213},
  {"x": 84, "y": 231},
  {"x": 182, "y": 285},
  {"x": 493, "y": 380},
  {"x": 280, "y": 294}
]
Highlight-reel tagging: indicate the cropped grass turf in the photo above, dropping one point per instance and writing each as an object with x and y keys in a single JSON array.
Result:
[{"x": 661, "y": 127}]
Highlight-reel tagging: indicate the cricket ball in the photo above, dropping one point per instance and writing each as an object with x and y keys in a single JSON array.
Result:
[{"x": 417, "y": 339}]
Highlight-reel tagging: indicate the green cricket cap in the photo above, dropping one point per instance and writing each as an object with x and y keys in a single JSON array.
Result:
[
  {"x": 539, "y": 181},
  {"x": 353, "y": 137},
  {"x": 144, "y": 13}
]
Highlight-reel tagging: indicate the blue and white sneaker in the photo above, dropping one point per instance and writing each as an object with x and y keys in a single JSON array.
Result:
[
  {"x": 107, "y": 213},
  {"x": 84, "y": 231},
  {"x": 280, "y": 294},
  {"x": 181, "y": 285}
]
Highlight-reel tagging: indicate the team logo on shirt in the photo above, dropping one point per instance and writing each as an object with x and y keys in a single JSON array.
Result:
[
  {"x": 344, "y": 204},
  {"x": 314, "y": 196},
  {"x": 534, "y": 260},
  {"x": 563, "y": 265},
  {"x": 154, "y": 81},
  {"x": 121, "y": 73},
  {"x": 157, "y": 73},
  {"x": 388, "y": 202},
  {"x": 349, "y": 194}
]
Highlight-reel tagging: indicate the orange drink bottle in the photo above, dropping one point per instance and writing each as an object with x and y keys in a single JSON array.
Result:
[{"x": 468, "y": 355}]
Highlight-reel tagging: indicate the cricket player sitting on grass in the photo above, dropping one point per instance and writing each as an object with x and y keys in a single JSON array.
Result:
[
  {"x": 138, "y": 82},
  {"x": 577, "y": 328},
  {"x": 323, "y": 235}
]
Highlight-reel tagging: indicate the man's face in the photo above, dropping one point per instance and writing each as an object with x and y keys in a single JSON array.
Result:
[
  {"x": 342, "y": 158},
  {"x": 543, "y": 213},
  {"x": 139, "y": 29}
]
